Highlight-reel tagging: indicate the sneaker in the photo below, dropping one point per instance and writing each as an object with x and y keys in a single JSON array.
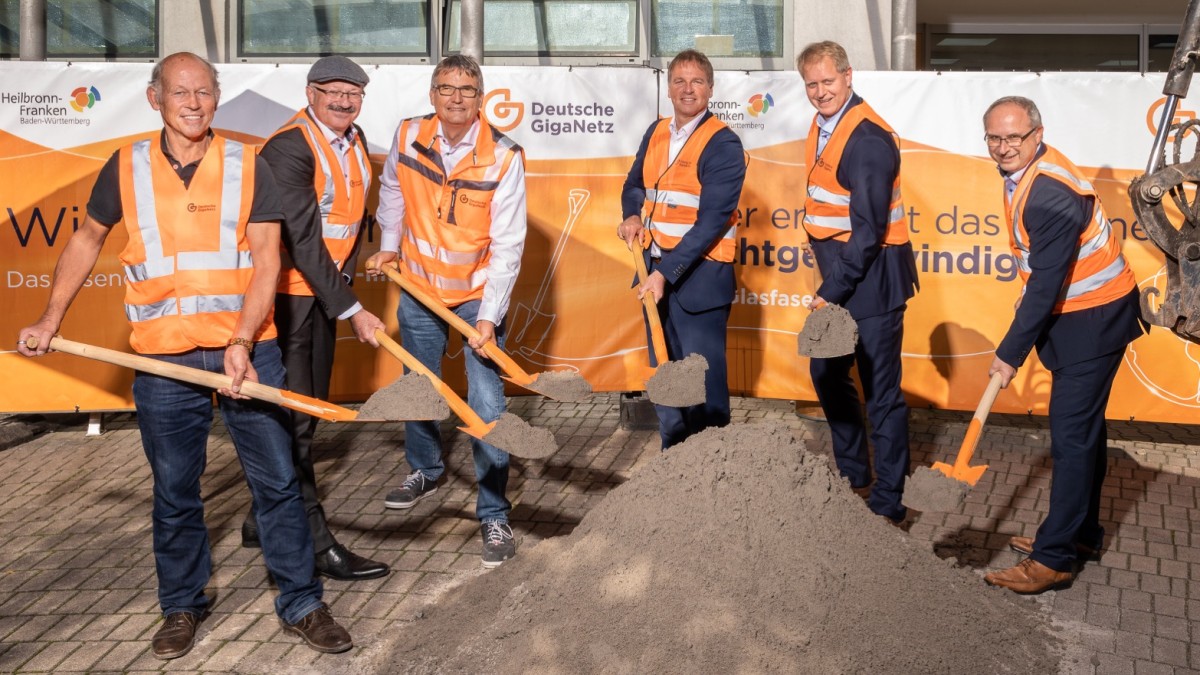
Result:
[
  {"x": 415, "y": 488},
  {"x": 321, "y": 631},
  {"x": 498, "y": 543}
]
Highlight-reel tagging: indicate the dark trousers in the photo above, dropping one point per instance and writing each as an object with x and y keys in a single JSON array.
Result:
[
  {"x": 700, "y": 333},
  {"x": 1078, "y": 446},
  {"x": 878, "y": 358},
  {"x": 307, "y": 338}
]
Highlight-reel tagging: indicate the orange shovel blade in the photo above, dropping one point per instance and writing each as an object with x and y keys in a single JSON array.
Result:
[
  {"x": 478, "y": 430},
  {"x": 967, "y": 474},
  {"x": 316, "y": 407}
]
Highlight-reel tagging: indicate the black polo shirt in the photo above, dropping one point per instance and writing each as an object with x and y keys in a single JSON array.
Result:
[{"x": 105, "y": 204}]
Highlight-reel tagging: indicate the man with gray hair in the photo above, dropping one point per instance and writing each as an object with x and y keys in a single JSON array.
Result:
[
  {"x": 320, "y": 161},
  {"x": 1079, "y": 307},
  {"x": 452, "y": 203},
  {"x": 202, "y": 260}
]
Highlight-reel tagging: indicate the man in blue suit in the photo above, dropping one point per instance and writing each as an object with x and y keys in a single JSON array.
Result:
[
  {"x": 681, "y": 197},
  {"x": 1079, "y": 307},
  {"x": 855, "y": 220}
]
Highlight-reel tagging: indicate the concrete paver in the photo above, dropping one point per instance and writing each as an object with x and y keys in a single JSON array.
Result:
[{"x": 77, "y": 589}]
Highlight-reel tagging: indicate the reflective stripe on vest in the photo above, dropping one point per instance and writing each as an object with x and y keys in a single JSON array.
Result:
[
  {"x": 827, "y": 205},
  {"x": 340, "y": 209},
  {"x": 673, "y": 189},
  {"x": 446, "y": 242},
  {"x": 187, "y": 261},
  {"x": 1100, "y": 273}
]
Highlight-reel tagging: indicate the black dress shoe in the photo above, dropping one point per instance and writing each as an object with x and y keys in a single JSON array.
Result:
[
  {"x": 250, "y": 534},
  {"x": 338, "y": 562}
]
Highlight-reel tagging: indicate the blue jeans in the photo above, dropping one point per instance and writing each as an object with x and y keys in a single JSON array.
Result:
[
  {"x": 425, "y": 336},
  {"x": 175, "y": 419}
]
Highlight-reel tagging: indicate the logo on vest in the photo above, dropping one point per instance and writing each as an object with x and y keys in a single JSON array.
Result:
[
  {"x": 193, "y": 207},
  {"x": 463, "y": 198}
]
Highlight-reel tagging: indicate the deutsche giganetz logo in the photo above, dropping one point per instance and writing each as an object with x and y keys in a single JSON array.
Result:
[
  {"x": 500, "y": 111},
  {"x": 759, "y": 104},
  {"x": 84, "y": 97}
]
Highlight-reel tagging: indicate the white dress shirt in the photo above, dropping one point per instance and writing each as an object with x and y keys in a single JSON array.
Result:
[{"x": 508, "y": 219}]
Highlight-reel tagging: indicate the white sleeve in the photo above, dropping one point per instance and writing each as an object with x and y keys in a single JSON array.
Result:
[
  {"x": 390, "y": 213},
  {"x": 508, "y": 242}
]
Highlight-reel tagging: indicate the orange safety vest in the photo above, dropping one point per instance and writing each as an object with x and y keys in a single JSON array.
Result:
[
  {"x": 341, "y": 209},
  {"x": 673, "y": 189},
  {"x": 447, "y": 213},
  {"x": 187, "y": 262},
  {"x": 827, "y": 207},
  {"x": 1100, "y": 273}
]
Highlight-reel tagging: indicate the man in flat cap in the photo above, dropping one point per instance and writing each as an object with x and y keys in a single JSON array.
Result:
[{"x": 320, "y": 162}]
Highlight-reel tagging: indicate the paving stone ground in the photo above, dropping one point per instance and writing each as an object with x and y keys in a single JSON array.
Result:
[{"x": 77, "y": 588}]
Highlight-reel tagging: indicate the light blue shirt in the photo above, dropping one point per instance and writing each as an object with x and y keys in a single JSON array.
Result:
[{"x": 826, "y": 126}]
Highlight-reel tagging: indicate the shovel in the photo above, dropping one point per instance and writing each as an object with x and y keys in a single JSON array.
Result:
[
  {"x": 305, "y": 404},
  {"x": 536, "y": 443},
  {"x": 961, "y": 469},
  {"x": 657, "y": 338},
  {"x": 514, "y": 372},
  {"x": 475, "y": 426}
]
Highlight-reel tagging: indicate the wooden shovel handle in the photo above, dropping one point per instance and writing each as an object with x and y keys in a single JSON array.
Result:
[
  {"x": 203, "y": 378},
  {"x": 490, "y": 348},
  {"x": 651, "y": 304},
  {"x": 967, "y": 450}
]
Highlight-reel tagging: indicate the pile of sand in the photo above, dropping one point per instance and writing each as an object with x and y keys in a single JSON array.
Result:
[{"x": 737, "y": 551}]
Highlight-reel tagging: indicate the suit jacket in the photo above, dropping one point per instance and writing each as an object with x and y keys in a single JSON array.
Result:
[
  {"x": 292, "y": 161},
  {"x": 1055, "y": 217},
  {"x": 862, "y": 275},
  {"x": 697, "y": 283}
]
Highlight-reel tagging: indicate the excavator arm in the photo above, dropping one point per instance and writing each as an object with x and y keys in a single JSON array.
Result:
[{"x": 1179, "y": 308}]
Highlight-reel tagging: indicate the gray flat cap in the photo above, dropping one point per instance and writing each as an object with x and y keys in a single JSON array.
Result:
[{"x": 330, "y": 68}]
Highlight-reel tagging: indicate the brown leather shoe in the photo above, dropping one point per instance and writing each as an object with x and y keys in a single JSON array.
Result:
[
  {"x": 1024, "y": 546},
  {"x": 1030, "y": 576},
  {"x": 175, "y": 636},
  {"x": 321, "y": 632}
]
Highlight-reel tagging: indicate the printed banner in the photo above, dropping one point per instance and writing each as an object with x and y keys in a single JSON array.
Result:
[{"x": 573, "y": 306}]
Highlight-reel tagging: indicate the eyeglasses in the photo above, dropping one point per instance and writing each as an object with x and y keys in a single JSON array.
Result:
[
  {"x": 448, "y": 90},
  {"x": 1012, "y": 140},
  {"x": 352, "y": 95}
]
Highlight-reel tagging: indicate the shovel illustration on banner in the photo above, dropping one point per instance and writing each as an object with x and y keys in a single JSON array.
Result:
[
  {"x": 531, "y": 325},
  {"x": 305, "y": 404},
  {"x": 558, "y": 385},
  {"x": 510, "y": 433},
  {"x": 676, "y": 384}
]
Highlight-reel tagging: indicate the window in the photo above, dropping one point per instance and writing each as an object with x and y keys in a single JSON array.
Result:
[
  {"x": 551, "y": 27},
  {"x": 1160, "y": 49},
  {"x": 748, "y": 28},
  {"x": 350, "y": 27},
  {"x": 1033, "y": 51},
  {"x": 88, "y": 28}
]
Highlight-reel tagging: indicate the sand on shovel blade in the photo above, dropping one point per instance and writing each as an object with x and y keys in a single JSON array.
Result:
[
  {"x": 562, "y": 385},
  {"x": 517, "y": 437},
  {"x": 736, "y": 551},
  {"x": 679, "y": 384},
  {"x": 928, "y": 489},
  {"x": 411, "y": 397},
  {"x": 828, "y": 332}
]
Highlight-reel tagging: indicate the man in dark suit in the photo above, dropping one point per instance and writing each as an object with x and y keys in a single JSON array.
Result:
[
  {"x": 855, "y": 220},
  {"x": 681, "y": 198},
  {"x": 323, "y": 171},
  {"x": 1079, "y": 307}
]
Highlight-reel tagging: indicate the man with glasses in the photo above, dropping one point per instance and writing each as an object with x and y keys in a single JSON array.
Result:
[
  {"x": 452, "y": 202},
  {"x": 679, "y": 204},
  {"x": 1079, "y": 307},
  {"x": 857, "y": 226},
  {"x": 319, "y": 158}
]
